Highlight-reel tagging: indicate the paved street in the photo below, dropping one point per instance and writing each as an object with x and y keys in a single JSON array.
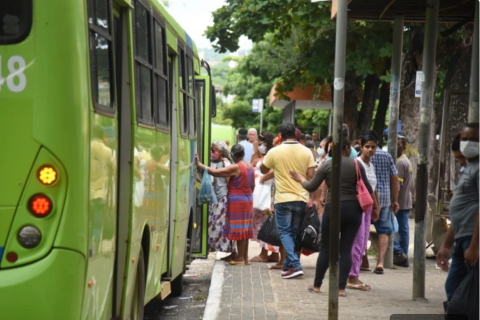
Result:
[{"x": 255, "y": 292}]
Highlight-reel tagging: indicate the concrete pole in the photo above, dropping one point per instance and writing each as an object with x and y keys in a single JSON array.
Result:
[
  {"x": 426, "y": 106},
  {"x": 393, "y": 107},
  {"x": 473, "y": 99},
  {"x": 338, "y": 102}
]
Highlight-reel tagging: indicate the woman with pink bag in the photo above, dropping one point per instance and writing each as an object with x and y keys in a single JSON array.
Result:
[{"x": 351, "y": 214}]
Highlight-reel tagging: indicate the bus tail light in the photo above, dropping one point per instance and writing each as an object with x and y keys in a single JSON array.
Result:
[
  {"x": 47, "y": 175},
  {"x": 40, "y": 206},
  {"x": 12, "y": 257},
  {"x": 29, "y": 237}
]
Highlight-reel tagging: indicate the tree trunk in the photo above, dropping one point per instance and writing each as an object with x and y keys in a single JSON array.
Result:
[
  {"x": 379, "y": 124},
  {"x": 350, "y": 115},
  {"x": 409, "y": 105},
  {"x": 365, "y": 116}
]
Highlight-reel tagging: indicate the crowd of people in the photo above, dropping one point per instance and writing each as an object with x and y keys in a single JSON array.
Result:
[{"x": 288, "y": 173}]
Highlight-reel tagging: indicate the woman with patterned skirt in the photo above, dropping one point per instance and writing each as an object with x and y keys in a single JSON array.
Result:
[{"x": 239, "y": 216}]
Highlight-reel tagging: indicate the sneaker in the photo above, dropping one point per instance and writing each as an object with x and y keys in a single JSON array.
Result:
[
  {"x": 292, "y": 273},
  {"x": 399, "y": 259}
]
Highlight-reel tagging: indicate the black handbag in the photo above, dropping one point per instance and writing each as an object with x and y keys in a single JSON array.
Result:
[
  {"x": 465, "y": 299},
  {"x": 309, "y": 233},
  {"x": 269, "y": 232}
]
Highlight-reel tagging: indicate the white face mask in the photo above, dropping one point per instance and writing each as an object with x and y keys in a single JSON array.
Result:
[
  {"x": 469, "y": 149},
  {"x": 321, "y": 152},
  {"x": 262, "y": 149}
]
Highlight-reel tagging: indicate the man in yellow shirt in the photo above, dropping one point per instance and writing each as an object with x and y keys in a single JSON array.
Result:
[{"x": 290, "y": 197}]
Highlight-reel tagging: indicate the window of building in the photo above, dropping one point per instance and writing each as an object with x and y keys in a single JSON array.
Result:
[{"x": 101, "y": 61}]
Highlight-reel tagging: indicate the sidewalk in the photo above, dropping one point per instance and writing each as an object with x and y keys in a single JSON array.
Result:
[{"x": 255, "y": 292}]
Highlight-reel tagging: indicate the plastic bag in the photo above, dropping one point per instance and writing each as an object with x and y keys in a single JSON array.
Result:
[
  {"x": 262, "y": 195},
  {"x": 465, "y": 298},
  {"x": 395, "y": 224},
  {"x": 206, "y": 194},
  {"x": 269, "y": 232},
  {"x": 309, "y": 233}
]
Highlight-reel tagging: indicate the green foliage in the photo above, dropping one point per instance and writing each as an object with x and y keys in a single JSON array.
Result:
[
  {"x": 221, "y": 108},
  {"x": 219, "y": 74}
]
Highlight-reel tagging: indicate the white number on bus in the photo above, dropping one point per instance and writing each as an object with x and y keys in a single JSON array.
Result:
[{"x": 16, "y": 79}]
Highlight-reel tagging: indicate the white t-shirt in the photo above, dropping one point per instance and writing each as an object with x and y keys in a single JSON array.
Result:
[{"x": 370, "y": 172}]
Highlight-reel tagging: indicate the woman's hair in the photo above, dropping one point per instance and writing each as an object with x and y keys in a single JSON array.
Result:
[
  {"x": 329, "y": 139},
  {"x": 222, "y": 147},
  {"x": 367, "y": 138},
  {"x": 238, "y": 151},
  {"x": 267, "y": 137}
]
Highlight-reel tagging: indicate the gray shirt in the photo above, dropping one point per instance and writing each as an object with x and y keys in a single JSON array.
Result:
[
  {"x": 404, "y": 168},
  {"x": 349, "y": 179},
  {"x": 220, "y": 184},
  {"x": 464, "y": 203}
]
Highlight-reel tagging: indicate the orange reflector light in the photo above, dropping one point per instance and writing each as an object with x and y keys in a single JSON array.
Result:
[
  {"x": 12, "y": 257},
  {"x": 40, "y": 205},
  {"x": 47, "y": 175}
]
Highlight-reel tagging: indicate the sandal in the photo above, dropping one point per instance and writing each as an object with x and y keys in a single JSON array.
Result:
[
  {"x": 378, "y": 270},
  {"x": 257, "y": 259},
  {"x": 361, "y": 287},
  {"x": 342, "y": 295},
  {"x": 311, "y": 290},
  {"x": 233, "y": 263}
]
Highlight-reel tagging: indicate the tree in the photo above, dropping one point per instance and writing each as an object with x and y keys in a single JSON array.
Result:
[{"x": 310, "y": 32}]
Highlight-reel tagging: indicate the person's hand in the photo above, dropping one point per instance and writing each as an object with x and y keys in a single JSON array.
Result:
[
  {"x": 262, "y": 179},
  {"x": 199, "y": 164},
  {"x": 471, "y": 256},
  {"x": 442, "y": 258},
  {"x": 375, "y": 214},
  {"x": 296, "y": 176},
  {"x": 317, "y": 205},
  {"x": 395, "y": 207},
  {"x": 323, "y": 201}
]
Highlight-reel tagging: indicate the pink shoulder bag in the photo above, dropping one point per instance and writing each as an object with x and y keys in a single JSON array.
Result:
[{"x": 364, "y": 197}]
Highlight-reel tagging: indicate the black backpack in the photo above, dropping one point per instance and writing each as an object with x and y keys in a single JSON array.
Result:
[{"x": 309, "y": 234}]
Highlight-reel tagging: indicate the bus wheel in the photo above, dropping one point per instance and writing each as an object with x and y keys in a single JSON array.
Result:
[{"x": 139, "y": 290}]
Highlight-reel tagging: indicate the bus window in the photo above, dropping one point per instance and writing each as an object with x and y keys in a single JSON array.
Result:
[
  {"x": 162, "y": 114},
  {"x": 191, "y": 99},
  {"x": 183, "y": 99},
  {"x": 143, "y": 65},
  {"x": 101, "y": 66},
  {"x": 15, "y": 20}
]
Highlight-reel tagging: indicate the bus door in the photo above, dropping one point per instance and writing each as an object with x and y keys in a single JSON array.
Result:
[
  {"x": 173, "y": 159},
  {"x": 122, "y": 78}
]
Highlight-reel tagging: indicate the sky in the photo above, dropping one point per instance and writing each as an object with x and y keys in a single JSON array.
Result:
[{"x": 195, "y": 15}]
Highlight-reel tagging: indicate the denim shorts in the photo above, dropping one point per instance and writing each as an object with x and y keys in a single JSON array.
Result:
[{"x": 384, "y": 224}]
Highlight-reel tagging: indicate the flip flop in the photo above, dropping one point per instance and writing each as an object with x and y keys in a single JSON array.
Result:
[
  {"x": 378, "y": 270},
  {"x": 343, "y": 295},
  {"x": 361, "y": 287},
  {"x": 233, "y": 263},
  {"x": 310, "y": 289}
]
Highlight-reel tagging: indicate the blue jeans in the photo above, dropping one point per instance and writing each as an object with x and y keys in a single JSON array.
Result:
[
  {"x": 401, "y": 245},
  {"x": 289, "y": 217},
  {"x": 384, "y": 224},
  {"x": 458, "y": 268}
]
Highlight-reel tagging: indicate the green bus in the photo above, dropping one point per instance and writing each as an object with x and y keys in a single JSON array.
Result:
[{"x": 102, "y": 108}]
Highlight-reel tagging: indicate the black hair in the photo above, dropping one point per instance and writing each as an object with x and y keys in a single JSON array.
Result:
[
  {"x": 345, "y": 143},
  {"x": 242, "y": 134},
  {"x": 473, "y": 125},
  {"x": 372, "y": 134},
  {"x": 309, "y": 144},
  {"x": 345, "y": 131},
  {"x": 403, "y": 139},
  {"x": 238, "y": 151},
  {"x": 308, "y": 137},
  {"x": 302, "y": 136},
  {"x": 267, "y": 137},
  {"x": 367, "y": 138},
  {"x": 456, "y": 143},
  {"x": 287, "y": 130}
]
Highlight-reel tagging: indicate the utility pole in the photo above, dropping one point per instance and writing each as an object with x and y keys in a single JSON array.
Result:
[
  {"x": 335, "y": 207},
  {"x": 426, "y": 106},
  {"x": 395, "y": 81}
]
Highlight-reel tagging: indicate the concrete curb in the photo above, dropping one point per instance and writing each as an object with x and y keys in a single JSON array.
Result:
[{"x": 215, "y": 292}]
